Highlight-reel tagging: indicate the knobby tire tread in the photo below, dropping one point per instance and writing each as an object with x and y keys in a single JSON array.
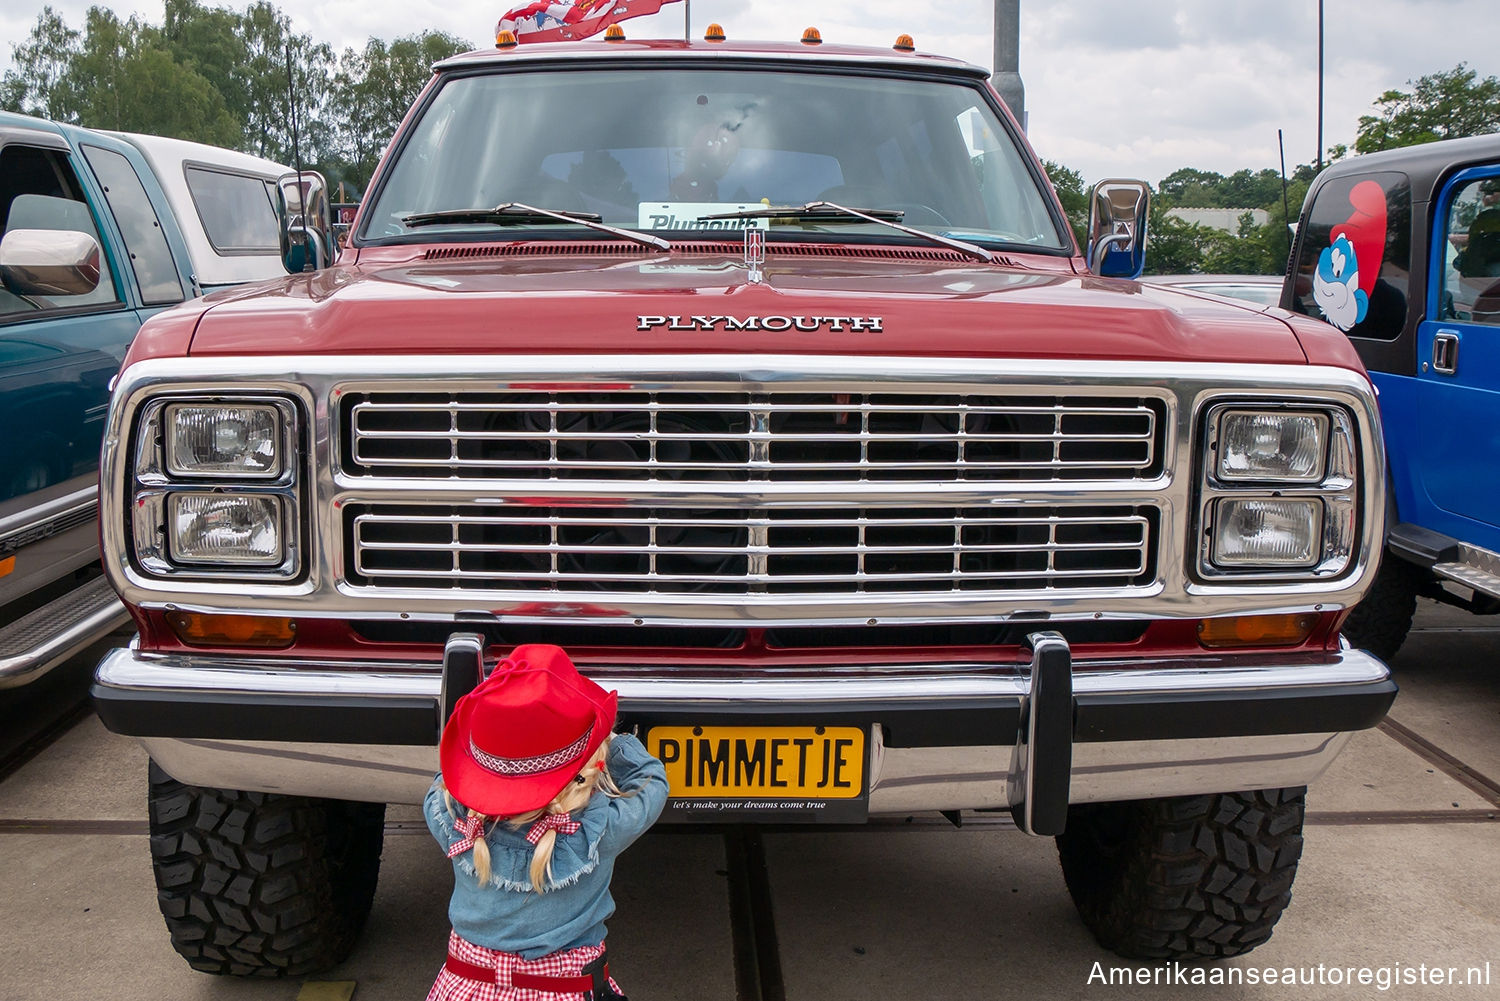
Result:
[
  {"x": 262, "y": 885},
  {"x": 1380, "y": 622},
  {"x": 1189, "y": 878}
]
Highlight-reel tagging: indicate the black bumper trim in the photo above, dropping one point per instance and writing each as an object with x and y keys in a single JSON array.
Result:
[
  {"x": 1190, "y": 715},
  {"x": 957, "y": 722},
  {"x": 292, "y": 718}
]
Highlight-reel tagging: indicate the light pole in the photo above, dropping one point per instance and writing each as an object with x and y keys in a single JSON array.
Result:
[
  {"x": 1320, "y": 85},
  {"x": 1007, "y": 74}
]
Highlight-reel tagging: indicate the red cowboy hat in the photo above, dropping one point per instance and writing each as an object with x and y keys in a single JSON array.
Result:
[{"x": 517, "y": 739}]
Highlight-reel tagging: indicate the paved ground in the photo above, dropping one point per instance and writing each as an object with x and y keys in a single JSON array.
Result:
[{"x": 1402, "y": 851}]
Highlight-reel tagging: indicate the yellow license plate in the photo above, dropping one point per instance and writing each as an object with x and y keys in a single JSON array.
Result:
[{"x": 755, "y": 762}]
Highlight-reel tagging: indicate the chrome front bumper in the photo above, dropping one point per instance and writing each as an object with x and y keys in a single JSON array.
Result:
[{"x": 945, "y": 736}]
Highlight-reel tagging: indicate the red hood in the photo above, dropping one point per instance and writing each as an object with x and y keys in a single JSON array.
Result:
[{"x": 589, "y": 304}]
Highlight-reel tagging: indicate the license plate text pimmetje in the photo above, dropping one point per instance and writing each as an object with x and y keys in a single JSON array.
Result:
[{"x": 793, "y": 761}]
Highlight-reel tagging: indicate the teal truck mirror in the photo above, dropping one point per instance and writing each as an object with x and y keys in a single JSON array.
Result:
[{"x": 1117, "y": 228}]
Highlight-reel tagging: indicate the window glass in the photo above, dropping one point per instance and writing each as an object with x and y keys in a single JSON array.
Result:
[
  {"x": 150, "y": 256},
  {"x": 236, "y": 210},
  {"x": 627, "y": 146},
  {"x": 1471, "y": 254},
  {"x": 1355, "y": 259},
  {"x": 38, "y": 190}
]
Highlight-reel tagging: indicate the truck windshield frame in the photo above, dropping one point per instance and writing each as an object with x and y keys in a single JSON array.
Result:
[{"x": 658, "y": 150}]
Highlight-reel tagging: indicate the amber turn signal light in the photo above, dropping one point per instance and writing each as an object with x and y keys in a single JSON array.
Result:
[
  {"x": 905, "y": 43},
  {"x": 1256, "y": 630},
  {"x": 715, "y": 33},
  {"x": 207, "y": 629},
  {"x": 812, "y": 36},
  {"x": 505, "y": 39},
  {"x": 614, "y": 33}
]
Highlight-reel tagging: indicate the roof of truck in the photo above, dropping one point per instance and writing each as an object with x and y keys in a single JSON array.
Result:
[{"x": 656, "y": 50}]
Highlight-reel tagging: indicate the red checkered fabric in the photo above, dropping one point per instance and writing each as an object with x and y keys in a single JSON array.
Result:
[
  {"x": 450, "y": 986},
  {"x": 472, "y": 829},
  {"x": 562, "y": 823}
]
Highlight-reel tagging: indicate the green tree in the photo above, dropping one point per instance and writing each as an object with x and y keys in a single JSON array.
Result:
[
  {"x": 267, "y": 34},
  {"x": 115, "y": 75},
  {"x": 38, "y": 83},
  {"x": 1174, "y": 246},
  {"x": 1446, "y": 105},
  {"x": 372, "y": 90},
  {"x": 1188, "y": 187},
  {"x": 1073, "y": 195},
  {"x": 209, "y": 41}
]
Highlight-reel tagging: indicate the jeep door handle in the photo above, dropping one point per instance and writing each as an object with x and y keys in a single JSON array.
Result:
[{"x": 1445, "y": 352}]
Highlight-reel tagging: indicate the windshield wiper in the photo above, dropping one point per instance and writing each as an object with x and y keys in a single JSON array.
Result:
[
  {"x": 829, "y": 212},
  {"x": 517, "y": 214}
]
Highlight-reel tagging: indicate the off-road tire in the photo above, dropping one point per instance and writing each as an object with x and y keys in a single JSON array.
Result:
[
  {"x": 259, "y": 885},
  {"x": 1187, "y": 878},
  {"x": 1381, "y": 621}
]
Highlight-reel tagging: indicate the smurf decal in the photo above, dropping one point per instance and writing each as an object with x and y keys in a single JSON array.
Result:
[
  {"x": 1336, "y": 285},
  {"x": 1349, "y": 265}
]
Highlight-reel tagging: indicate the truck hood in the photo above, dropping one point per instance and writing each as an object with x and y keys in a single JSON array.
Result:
[{"x": 554, "y": 304}]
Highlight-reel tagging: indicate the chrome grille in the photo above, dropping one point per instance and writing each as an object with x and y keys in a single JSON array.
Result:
[
  {"x": 735, "y": 436},
  {"x": 737, "y": 551}
]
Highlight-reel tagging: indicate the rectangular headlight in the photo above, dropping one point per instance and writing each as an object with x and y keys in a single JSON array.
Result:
[
  {"x": 1265, "y": 532},
  {"x": 244, "y": 530},
  {"x": 1271, "y": 445},
  {"x": 239, "y": 440}
]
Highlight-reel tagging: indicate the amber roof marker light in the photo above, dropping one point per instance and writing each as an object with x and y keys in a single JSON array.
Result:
[
  {"x": 505, "y": 39},
  {"x": 715, "y": 33},
  {"x": 614, "y": 33},
  {"x": 812, "y": 36},
  {"x": 904, "y": 43}
]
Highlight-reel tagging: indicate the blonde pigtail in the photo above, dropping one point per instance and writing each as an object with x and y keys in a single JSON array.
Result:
[
  {"x": 541, "y": 861},
  {"x": 481, "y": 853},
  {"x": 575, "y": 796}
]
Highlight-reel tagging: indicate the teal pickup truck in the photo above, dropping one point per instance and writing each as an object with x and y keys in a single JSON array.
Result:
[{"x": 97, "y": 233}]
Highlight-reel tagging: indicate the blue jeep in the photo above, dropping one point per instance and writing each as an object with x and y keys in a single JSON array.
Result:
[
  {"x": 90, "y": 246},
  {"x": 1401, "y": 250}
]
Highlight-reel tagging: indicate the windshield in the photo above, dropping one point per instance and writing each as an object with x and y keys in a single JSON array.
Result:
[{"x": 657, "y": 150}]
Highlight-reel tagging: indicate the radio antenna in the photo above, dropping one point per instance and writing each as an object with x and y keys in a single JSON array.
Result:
[
  {"x": 291, "y": 100},
  {"x": 1286, "y": 213}
]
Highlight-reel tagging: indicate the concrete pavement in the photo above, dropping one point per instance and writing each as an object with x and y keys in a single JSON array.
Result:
[{"x": 1399, "y": 866}]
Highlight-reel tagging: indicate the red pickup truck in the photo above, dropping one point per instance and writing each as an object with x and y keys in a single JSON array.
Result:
[{"x": 769, "y": 381}]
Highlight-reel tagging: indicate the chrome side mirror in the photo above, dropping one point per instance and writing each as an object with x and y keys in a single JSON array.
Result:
[
  {"x": 306, "y": 222},
  {"x": 49, "y": 262},
  {"x": 1118, "y": 211}
]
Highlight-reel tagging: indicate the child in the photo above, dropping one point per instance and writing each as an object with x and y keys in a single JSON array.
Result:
[{"x": 529, "y": 807}]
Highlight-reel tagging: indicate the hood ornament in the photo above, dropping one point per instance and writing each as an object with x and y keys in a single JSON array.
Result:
[{"x": 755, "y": 253}]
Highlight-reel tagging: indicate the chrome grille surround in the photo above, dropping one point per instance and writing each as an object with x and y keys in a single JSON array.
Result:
[{"x": 331, "y": 588}]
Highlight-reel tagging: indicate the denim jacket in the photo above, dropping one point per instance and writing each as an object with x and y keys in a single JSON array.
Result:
[{"x": 506, "y": 913}]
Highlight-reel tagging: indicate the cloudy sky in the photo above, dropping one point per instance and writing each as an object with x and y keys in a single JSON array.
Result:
[{"x": 1132, "y": 89}]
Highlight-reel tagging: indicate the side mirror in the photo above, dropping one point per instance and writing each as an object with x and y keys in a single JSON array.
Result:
[
  {"x": 306, "y": 225},
  {"x": 49, "y": 262},
  {"x": 1117, "y": 228}
]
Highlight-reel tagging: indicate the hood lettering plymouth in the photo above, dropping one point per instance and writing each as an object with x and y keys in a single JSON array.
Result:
[{"x": 809, "y": 323}]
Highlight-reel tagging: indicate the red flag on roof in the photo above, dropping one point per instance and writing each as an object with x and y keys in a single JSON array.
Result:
[{"x": 570, "y": 20}]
